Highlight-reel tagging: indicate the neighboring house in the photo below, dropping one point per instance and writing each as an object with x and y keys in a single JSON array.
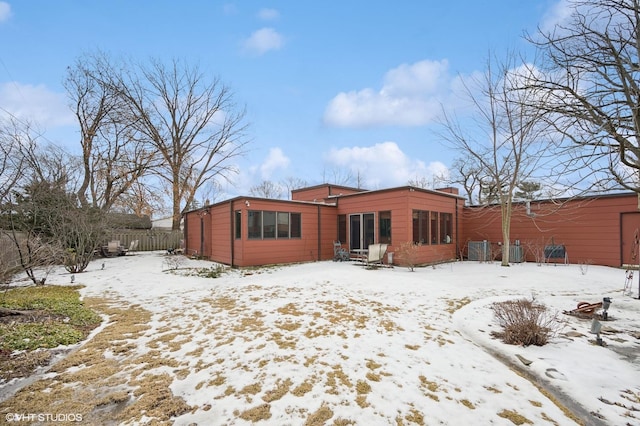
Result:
[
  {"x": 252, "y": 231},
  {"x": 164, "y": 223}
]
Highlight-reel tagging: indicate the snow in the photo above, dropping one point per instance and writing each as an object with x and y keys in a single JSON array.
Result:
[{"x": 381, "y": 346}]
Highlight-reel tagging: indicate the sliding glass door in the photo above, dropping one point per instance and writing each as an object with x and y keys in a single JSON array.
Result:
[{"x": 361, "y": 230}]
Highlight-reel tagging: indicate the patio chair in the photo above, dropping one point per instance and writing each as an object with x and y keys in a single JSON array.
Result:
[
  {"x": 375, "y": 254},
  {"x": 339, "y": 253}
]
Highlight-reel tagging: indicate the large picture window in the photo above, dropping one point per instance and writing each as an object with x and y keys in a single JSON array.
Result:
[
  {"x": 434, "y": 227},
  {"x": 274, "y": 225},
  {"x": 421, "y": 227},
  {"x": 446, "y": 228},
  {"x": 384, "y": 226}
]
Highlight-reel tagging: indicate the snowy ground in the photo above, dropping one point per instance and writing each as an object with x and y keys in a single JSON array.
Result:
[{"x": 334, "y": 343}]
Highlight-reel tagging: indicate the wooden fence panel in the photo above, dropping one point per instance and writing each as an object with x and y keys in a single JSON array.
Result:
[{"x": 148, "y": 240}]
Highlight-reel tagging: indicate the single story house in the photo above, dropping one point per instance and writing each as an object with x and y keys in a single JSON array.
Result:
[{"x": 251, "y": 231}]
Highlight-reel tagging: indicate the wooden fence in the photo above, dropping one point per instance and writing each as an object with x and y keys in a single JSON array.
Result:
[{"x": 148, "y": 240}]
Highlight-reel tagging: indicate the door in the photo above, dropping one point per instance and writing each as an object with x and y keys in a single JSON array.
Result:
[
  {"x": 629, "y": 226},
  {"x": 361, "y": 230}
]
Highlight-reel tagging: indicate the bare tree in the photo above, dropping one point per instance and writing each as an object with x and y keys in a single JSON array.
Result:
[
  {"x": 508, "y": 141},
  {"x": 12, "y": 159},
  {"x": 113, "y": 155},
  {"x": 468, "y": 174},
  {"x": 339, "y": 176},
  {"x": 192, "y": 123},
  {"x": 290, "y": 183},
  {"x": 267, "y": 189},
  {"x": 592, "y": 78}
]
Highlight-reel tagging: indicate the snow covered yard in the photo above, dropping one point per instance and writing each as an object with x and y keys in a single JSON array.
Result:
[{"x": 334, "y": 343}]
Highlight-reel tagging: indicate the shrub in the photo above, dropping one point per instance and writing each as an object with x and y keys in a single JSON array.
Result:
[
  {"x": 525, "y": 322},
  {"x": 408, "y": 255}
]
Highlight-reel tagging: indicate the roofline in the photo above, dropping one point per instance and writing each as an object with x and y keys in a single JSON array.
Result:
[
  {"x": 252, "y": 198},
  {"x": 329, "y": 185},
  {"x": 564, "y": 199},
  {"x": 405, "y": 187}
]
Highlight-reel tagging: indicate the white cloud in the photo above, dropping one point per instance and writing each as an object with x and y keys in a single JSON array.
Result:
[
  {"x": 383, "y": 165},
  {"x": 268, "y": 14},
  {"x": 35, "y": 104},
  {"x": 411, "y": 96},
  {"x": 275, "y": 160},
  {"x": 558, "y": 14},
  {"x": 5, "y": 11},
  {"x": 263, "y": 40}
]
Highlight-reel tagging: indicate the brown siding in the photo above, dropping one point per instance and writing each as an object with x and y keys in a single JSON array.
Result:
[
  {"x": 589, "y": 228},
  {"x": 321, "y": 192},
  {"x": 401, "y": 202}
]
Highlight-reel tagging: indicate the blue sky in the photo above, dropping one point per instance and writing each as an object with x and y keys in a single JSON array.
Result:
[{"x": 349, "y": 86}]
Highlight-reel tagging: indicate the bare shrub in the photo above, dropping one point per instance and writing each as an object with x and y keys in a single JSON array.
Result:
[
  {"x": 408, "y": 255},
  {"x": 525, "y": 322},
  {"x": 174, "y": 262}
]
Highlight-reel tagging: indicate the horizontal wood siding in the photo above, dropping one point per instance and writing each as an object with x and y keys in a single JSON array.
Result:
[
  {"x": 401, "y": 202},
  {"x": 219, "y": 232},
  {"x": 589, "y": 229},
  {"x": 252, "y": 252}
]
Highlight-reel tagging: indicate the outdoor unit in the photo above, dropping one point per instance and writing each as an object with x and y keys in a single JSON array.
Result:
[
  {"x": 516, "y": 254},
  {"x": 479, "y": 250}
]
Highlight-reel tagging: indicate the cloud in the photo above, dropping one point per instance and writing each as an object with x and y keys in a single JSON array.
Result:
[
  {"x": 410, "y": 96},
  {"x": 275, "y": 160},
  {"x": 35, "y": 104},
  {"x": 383, "y": 165},
  {"x": 262, "y": 41},
  {"x": 268, "y": 14},
  {"x": 558, "y": 14},
  {"x": 5, "y": 11}
]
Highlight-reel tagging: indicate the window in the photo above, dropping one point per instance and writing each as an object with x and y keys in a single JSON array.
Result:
[
  {"x": 296, "y": 225},
  {"x": 421, "y": 227},
  {"x": 434, "y": 227},
  {"x": 254, "y": 223},
  {"x": 268, "y": 225},
  {"x": 384, "y": 227},
  {"x": 446, "y": 228},
  {"x": 283, "y": 225},
  {"x": 238, "y": 224}
]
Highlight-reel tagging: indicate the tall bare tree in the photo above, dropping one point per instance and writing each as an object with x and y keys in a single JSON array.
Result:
[
  {"x": 267, "y": 189},
  {"x": 592, "y": 76},
  {"x": 192, "y": 122},
  {"x": 12, "y": 160},
  {"x": 113, "y": 155},
  {"x": 507, "y": 137}
]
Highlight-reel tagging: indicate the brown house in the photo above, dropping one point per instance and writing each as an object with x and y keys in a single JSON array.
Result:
[{"x": 251, "y": 231}]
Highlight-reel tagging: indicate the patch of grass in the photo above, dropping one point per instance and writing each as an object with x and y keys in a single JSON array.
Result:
[
  {"x": 40, "y": 318},
  {"x": 54, "y": 300},
  {"x": 514, "y": 417},
  {"x": 261, "y": 412},
  {"x": 319, "y": 417},
  {"x": 281, "y": 389}
]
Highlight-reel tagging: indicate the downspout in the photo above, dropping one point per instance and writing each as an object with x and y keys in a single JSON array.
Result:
[
  {"x": 186, "y": 233},
  {"x": 319, "y": 235},
  {"x": 232, "y": 243},
  {"x": 457, "y": 231}
]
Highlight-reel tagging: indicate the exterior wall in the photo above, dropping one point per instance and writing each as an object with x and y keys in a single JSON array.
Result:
[
  {"x": 401, "y": 202},
  {"x": 318, "y": 227},
  {"x": 589, "y": 228}
]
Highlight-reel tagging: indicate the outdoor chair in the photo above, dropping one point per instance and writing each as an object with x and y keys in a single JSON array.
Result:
[
  {"x": 375, "y": 254},
  {"x": 339, "y": 253}
]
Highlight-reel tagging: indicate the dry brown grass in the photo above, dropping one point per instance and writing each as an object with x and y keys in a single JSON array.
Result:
[
  {"x": 319, "y": 417},
  {"x": 105, "y": 380},
  {"x": 255, "y": 414},
  {"x": 514, "y": 417}
]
